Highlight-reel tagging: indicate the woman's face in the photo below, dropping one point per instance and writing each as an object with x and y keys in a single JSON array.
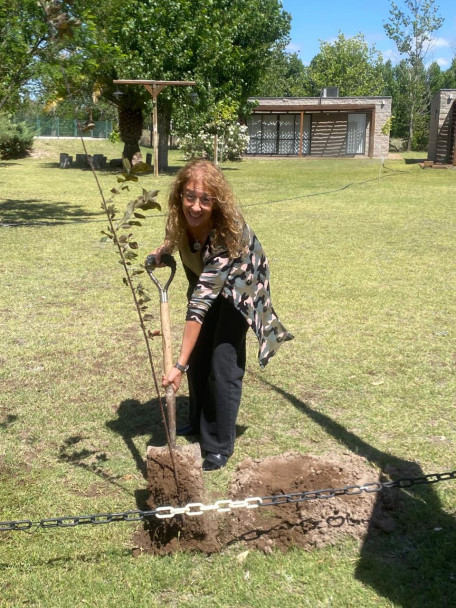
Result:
[{"x": 197, "y": 203}]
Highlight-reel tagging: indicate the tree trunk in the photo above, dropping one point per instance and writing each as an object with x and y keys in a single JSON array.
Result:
[
  {"x": 164, "y": 123},
  {"x": 130, "y": 127},
  {"x": 411, "y": 124}
]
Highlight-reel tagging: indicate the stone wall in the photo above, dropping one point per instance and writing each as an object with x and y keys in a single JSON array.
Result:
[{"x": 442, "y": 110}]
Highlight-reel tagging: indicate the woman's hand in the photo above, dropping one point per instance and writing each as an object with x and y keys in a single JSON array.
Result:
[
  {"x": 173, "y": 378},
  {"x": 191, "y": 333},
  {"x": 158, "y": 252}
]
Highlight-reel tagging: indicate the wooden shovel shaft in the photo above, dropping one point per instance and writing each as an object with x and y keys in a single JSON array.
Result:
[
  {"x": 151, "y": 264},
  {"x": 167, "y": 366}
]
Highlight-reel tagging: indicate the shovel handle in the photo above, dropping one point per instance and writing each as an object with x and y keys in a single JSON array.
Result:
[
  {"x": 166, "y": 259},
  {"x": 166, "y": 337},
  {"x": 167, "y": 366}
]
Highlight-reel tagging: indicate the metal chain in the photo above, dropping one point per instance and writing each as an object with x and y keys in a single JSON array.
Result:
[
  {"x": 372, "y": 486},
  {"x": 222, "y": 506}
]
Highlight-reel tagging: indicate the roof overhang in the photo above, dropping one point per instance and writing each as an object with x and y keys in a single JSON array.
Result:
[{"x": 325, "y": 108}]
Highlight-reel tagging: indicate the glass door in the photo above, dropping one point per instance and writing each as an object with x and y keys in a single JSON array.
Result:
[{"x": 356, "y": 134}]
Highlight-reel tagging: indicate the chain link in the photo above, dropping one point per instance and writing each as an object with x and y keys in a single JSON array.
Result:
[
  {"x": 198, "y": 508},
  {"x": 354, "y": 490},
  {"x": 222, "y": 506}
]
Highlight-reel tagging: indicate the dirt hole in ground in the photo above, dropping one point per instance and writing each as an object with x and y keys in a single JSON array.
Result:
[{"x": 309, "y": 524}]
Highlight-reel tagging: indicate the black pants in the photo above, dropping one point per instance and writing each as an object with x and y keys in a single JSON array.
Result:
[{"x": 217, "y": 366}]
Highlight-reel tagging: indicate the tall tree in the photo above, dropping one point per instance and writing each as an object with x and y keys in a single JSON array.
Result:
[
  {"x": 284, "y": 76},
  {"x": 412, "y": 28},
  {"x": 347, "y": 63},
  {"x": 449, "y": 76},
  {"x": 222, "y": 45},
  {"x": 32, "y": 34},
  {"x": 435, "y": 79}
]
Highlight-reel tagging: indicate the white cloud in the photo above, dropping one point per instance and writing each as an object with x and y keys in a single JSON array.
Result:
[
  {"x": 439, "y": 43},
  {"x": 442, "y": 62},
  {"x": 392, "y": 55},
  {"x": 293, "y": 48}
]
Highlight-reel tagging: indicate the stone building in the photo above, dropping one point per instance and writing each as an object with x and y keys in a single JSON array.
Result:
[
  {"x": 328, "y": 125},
  {"x": 441, "y": 148}
]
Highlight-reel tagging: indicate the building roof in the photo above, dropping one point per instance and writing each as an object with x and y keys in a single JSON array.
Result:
[{"x": 317, "y": 104}]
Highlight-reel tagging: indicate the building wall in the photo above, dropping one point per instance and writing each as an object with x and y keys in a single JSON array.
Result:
[{"x": 442, "y": 108}]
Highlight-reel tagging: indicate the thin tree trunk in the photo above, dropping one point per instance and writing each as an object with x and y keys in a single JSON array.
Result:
[
  {"x": 164, "y": 124},
  {"x": 412, "y": 122}
]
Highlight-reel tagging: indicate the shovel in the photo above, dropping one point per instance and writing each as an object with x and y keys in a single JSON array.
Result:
[{"x": 151, "y": 265}]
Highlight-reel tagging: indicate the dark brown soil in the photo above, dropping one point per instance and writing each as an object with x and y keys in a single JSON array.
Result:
[
  {"x": 180, "y": 532},
  {"x": 308, "y": 524}
]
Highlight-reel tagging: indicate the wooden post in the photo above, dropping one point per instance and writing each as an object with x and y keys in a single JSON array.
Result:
[
  {"x": 371, "y": 135},
  {"x": 155, "y": 91},
  {"x": 215, "y": 149},
  {"x": 301, "y": 133},
  {"x": 155, "y": 87},
  {"x": 156, "y": 142}
]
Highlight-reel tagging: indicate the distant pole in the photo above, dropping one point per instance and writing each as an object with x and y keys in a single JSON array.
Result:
[
  {"x": 155, "y": 91},
  {"x": 155, "y": 87},
  {"x": 216, "y": 149}
]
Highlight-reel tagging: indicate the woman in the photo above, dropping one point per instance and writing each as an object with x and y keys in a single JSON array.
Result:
[{"x": 228, "y": 292}]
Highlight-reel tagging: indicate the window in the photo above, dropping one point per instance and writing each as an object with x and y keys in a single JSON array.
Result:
[{"x": 278, "y": 134}]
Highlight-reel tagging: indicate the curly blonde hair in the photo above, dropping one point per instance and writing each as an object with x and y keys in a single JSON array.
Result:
[{"x": 228, "y": 223}]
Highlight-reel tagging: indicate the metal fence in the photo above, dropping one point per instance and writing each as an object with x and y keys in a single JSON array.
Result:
[{"x": 55, "y": 126}]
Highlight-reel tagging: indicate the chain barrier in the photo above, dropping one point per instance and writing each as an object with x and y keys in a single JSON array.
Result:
[{"x": 222, "y": 506}]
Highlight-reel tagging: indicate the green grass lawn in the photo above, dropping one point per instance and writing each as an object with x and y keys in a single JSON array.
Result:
[{"x": 363, "y": 268}]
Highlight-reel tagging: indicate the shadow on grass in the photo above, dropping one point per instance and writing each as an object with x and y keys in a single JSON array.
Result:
[
  {"x": 78, "y": 169},
  {"x": 8, "y": 164},
  {"x": 415, "y": 564},
  {"x": 171, "y": 170},
  {"x": 80, "y": 557},
  {"x": 414, "y": 161},
  {"x": 133, "y": 419},
  {"x": 17, "y": 212},
  {"x": 8, "y": 420},
  {"x": 136, "y": 419},
  {"x": 73, "y": 452}
]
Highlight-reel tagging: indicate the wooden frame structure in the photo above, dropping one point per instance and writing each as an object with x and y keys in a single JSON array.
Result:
[{"x": 155, "y": 87}]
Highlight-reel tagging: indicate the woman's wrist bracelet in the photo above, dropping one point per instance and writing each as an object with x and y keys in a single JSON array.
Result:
[{"x": 181, "y": 368}]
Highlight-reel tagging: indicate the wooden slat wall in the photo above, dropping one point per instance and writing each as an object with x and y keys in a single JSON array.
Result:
[{"x": 328, "y": 134}]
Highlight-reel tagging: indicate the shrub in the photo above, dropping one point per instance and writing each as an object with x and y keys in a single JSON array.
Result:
[
  {"x": 16, "y": 139},
  {"x": 232, "y": 143},
  {"x": 114, "y": 136}
]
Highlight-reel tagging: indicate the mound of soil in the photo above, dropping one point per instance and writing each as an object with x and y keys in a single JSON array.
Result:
[{"x": 307, "y": 524}]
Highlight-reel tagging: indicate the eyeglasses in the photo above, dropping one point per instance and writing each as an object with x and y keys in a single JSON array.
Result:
[{"x": 205, "y": 200}]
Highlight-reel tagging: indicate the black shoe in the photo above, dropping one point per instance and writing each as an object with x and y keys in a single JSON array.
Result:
[
  {"x": 214, "y": 462},
  {"x": 187, "y": 429}
]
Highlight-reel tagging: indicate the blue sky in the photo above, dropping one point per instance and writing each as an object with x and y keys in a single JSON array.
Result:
[{"x": 323, "y": 19}]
